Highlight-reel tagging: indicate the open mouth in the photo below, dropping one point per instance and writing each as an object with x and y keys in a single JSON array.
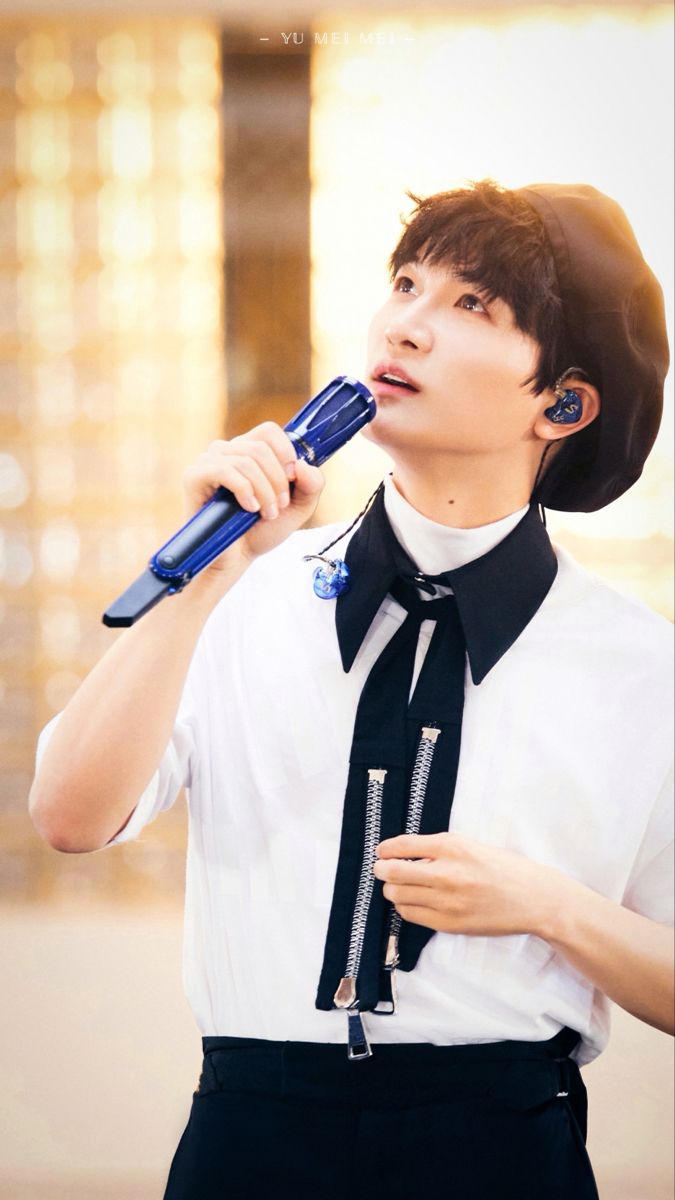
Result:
[{"x": 395, "y": 381}]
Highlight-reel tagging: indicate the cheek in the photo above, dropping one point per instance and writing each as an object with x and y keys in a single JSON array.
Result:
[
  {"x": 520, "y": 356},
  {"x": 500, "y": 367}
]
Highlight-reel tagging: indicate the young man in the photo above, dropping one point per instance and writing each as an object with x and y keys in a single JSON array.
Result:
[{"x": 429, "y": 819}]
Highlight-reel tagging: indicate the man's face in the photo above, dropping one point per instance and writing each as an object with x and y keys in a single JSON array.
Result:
[{"x": 467, "y": 359}]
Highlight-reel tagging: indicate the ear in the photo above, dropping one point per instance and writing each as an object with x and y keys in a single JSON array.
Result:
[{"x": 589, "y": 395}]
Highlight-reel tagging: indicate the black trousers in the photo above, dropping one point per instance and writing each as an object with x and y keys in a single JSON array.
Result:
[{"x": 498, "y": 1121}]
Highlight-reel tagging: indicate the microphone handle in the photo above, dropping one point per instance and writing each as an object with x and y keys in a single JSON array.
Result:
[
  {"x": 219, "y": 523},
  {"x": 325, "y": 423}
]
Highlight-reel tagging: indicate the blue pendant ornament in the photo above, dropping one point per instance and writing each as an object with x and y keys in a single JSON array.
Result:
[{"x": 331, "y": 579}]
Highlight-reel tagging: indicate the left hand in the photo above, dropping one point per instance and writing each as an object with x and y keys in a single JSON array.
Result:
[{"x": 464, "y": 886}]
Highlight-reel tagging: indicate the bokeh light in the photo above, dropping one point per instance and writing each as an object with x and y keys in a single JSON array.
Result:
[{"x": 111, "y": 333}]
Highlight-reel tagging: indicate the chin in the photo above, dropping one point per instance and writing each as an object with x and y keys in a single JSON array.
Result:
[
  {"x": 378, "y": 432},
  {"x": 398, "y": 438}
]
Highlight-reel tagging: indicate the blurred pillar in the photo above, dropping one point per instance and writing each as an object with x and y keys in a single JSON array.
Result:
[
  {"x": 267, "y": 197},
  {"x": 111, "y": 346}
]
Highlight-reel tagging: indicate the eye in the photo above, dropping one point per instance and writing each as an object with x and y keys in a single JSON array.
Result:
[
  {"x": 471, "y": 303},
  {"x": 403, "y": 283}
]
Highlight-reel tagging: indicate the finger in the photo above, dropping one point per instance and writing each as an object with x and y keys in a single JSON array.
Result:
[
  {"x": 263, "y": 490},
  {"x": 278, "y": 441},
  {"x": 266, "y": 458},
  {"x": 405, "y": 894},
  {"x": 309, "y": 481},
  {"x": 240, "y": 475},
  {"x": 413, "y": 845},
  {"x": 399, "y": 870},
  {"x": 419, "y": 915},
  {"x": 203, "y": 478},
  {"x": 306, "y": 482}
]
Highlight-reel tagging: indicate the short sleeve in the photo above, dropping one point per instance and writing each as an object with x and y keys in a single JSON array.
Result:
[
  {"x": 173, "y": 773},
  {"x": 650, "y": 886}
]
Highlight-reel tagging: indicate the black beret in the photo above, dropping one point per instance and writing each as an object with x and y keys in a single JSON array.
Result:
[{"x": 614, "y": 314}]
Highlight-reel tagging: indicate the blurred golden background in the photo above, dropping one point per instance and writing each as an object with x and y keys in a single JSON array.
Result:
[{"x": 196, "y": 209}]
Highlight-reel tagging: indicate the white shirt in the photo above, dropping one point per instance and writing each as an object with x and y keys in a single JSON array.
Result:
[{"x": 565, "y": 757}]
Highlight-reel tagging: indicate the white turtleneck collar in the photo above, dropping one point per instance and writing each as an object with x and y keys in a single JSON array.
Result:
[{"x": 435, "y": 548}]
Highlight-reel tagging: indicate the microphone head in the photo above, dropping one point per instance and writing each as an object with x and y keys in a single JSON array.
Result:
[{"x": 330, "y": 419}]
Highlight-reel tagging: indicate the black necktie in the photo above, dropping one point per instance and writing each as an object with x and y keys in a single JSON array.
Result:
[
  {"x": 402, "y": 771},
  {"x": 405, "y": 752}
]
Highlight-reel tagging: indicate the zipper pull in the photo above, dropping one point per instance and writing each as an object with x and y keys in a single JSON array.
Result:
[
  {"x": 388, "y": 984},
  {"x": 391, "y": 962},
  {"x": 358, "y": 1044},
  {"x": 391, "y": 958},
  {"x": 345, "y": 995}
]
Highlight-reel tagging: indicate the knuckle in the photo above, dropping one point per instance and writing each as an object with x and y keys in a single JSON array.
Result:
[
  {"x": 277, "y": 438},
  {"x": 268, "y": 433},
  {"x": 270, "y": 428},
  {"x": 246, "y": 464},
  {"x": 260, "y": 454},
  {"x": 250, "y": 468},
  {"x": 269, "y": 458}
]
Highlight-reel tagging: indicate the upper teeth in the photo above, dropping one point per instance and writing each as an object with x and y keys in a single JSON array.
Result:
[{"x": 394, "y": 378}]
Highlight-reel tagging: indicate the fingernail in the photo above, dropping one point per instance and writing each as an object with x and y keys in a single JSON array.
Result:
[
  {"x": 290, "y": 470},
  {"x": 251, "y": 502},
  {"x": 284, "y": 499},
  {"x": 270, "y": 512}
]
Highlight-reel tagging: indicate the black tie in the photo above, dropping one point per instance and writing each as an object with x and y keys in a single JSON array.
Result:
[{"x": 403, "y": 767}]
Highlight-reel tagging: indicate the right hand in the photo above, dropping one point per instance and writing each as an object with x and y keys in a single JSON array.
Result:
[{"x": 262, "y": 471}]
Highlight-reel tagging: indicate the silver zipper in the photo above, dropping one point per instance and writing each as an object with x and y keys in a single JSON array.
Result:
[
  {"x": 418, "y": 788},
  {"x": 345, "y": 996}
]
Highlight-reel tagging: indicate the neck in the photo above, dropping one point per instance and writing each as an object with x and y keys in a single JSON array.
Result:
[{"x": 465, "y": 493}]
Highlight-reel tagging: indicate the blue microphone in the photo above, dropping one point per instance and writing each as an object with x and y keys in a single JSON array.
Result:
[{"x": 326, "y": 422}]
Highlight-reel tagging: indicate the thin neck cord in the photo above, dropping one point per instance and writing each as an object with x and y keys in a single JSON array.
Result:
[
  {"x": 363, "y": 512},
  {"x": 536, "y": 481}
]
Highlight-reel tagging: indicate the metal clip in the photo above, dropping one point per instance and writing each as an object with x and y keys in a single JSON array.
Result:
[
  {"x": 388, "y": 1012},
  {"x": 359, "y": 1046}
]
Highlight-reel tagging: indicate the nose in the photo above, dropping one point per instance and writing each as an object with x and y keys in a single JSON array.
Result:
[{"x": 408, "y": 331}]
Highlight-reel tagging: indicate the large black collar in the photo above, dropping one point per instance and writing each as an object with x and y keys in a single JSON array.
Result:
[{"x": 497, "y": 594}]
